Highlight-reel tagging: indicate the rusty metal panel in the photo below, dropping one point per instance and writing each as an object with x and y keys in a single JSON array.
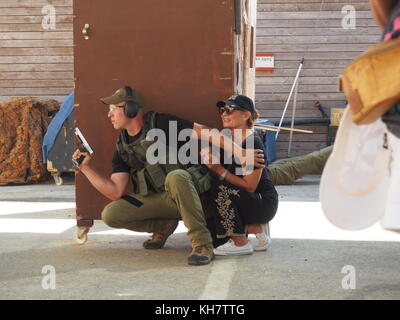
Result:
[{"x": 178, "y": 53}]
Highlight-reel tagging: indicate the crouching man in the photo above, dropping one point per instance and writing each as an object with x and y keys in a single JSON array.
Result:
[{"x": 163, "y": 193}]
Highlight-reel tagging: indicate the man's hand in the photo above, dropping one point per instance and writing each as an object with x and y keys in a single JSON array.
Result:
[
  {"x": 259, "y": 159},
  {"x": 77, "y": 154},
  {"x": 253, "y": 157},
  {"x": 211, "y": 161}
]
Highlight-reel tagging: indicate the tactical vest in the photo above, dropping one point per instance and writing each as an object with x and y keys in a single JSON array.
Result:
[{"x": 148, "y": 178}]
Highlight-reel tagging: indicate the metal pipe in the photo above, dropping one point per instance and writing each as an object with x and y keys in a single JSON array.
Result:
[
  {"x": 290, "y": 94},
  {"x": 293, "y": 116}
]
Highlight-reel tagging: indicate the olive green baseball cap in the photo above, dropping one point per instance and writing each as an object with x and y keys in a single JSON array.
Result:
[{"x": 124, "y": 94}]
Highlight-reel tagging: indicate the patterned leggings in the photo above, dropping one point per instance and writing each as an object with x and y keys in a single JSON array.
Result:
[{"x": 234, "y": 208}]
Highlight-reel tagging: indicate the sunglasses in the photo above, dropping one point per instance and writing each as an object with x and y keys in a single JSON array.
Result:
[
  {"x": 228, "y": 109},
  {"x": 114, "y": 107}
]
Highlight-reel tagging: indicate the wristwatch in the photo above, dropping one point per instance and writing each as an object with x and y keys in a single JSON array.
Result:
[{"x": 223, "y": 175}]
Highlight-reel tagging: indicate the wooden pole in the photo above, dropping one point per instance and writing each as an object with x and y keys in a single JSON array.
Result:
[
  {"x": 275, "y": 128},
  {"x": 249, "y": 43}
]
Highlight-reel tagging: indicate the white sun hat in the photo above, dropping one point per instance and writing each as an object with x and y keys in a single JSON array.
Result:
[{"x": 354, "y": 182}]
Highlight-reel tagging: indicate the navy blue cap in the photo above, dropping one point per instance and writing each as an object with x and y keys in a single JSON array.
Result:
[{"x": 238, "y": 101}]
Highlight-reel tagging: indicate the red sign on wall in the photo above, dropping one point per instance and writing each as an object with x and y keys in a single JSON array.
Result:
[{"x": 264, "y": 61}]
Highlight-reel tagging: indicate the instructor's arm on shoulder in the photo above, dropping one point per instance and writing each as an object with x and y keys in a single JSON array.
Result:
[{"x": 226, "y": 143}]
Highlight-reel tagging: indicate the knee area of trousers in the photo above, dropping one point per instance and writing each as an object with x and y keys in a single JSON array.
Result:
[
  {"x": 109, "y": 214},
  {"x": 177, "y": 176}
]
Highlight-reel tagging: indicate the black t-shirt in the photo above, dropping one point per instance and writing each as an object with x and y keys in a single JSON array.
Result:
[
  {"x": 265, "y": 185},
  {"x": 162, "y": 122}
]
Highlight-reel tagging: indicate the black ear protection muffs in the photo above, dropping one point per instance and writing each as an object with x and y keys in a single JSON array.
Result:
[{"x": 131, "y": 108}]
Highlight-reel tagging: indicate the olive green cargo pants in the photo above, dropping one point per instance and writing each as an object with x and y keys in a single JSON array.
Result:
[
  {"x": 287, "y": 171},
  {"x": 148, "y": 213}
]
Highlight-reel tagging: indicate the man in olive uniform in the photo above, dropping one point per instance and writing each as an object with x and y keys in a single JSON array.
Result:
[
  {"x": 164, "y": 193},
  {"x": 287, "y": 171}
]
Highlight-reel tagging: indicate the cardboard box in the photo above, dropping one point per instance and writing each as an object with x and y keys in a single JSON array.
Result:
[{"x": 336, "y": 115}]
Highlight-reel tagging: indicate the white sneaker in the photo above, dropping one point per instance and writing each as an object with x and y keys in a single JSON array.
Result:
[
  {"x": 264, "y": 238},
  {"x": 230, "y": 249}
]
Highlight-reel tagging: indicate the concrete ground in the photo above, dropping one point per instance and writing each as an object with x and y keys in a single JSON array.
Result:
[{"x": 308, "y": 259}]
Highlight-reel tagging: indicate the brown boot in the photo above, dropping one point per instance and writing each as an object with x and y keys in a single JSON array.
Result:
[
  {"x": 201, "y": 255},
  {"x": 158, "y": 239}
]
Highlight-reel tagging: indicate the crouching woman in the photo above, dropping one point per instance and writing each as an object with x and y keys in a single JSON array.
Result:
[{"x": 243, "y": 203}]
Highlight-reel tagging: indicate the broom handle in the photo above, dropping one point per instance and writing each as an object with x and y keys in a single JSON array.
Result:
[
  {"x": 274, "y": 128},
  {"x": 290, "y": 95}
]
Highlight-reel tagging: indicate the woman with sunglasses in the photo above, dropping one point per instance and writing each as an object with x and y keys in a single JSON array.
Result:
[{"x": 244, "y": 201}]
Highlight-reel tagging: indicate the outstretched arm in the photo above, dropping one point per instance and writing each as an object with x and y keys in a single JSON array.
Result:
[
  {"x": 224, "y": 142},
  {"x": 112, "y": 187}
]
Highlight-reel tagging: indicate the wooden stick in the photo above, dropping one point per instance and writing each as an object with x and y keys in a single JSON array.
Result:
[
  {"x": 268, "y": 129},
  {"x": 274, "y": 128}
]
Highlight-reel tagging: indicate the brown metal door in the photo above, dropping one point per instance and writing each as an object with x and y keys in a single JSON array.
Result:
[{"x": 178, "y": 53}]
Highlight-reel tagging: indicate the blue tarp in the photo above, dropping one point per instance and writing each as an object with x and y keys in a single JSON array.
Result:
[{"x": 55, "y": 125}]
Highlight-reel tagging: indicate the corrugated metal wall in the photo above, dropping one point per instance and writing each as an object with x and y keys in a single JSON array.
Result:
[
  {"x": 35, "y": 61},
  {"x": 292, "y": 28}
]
